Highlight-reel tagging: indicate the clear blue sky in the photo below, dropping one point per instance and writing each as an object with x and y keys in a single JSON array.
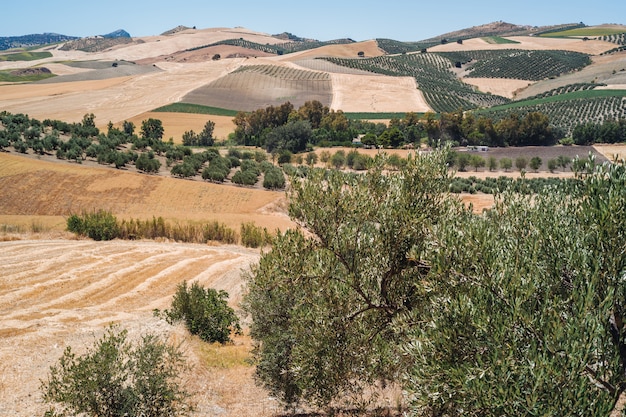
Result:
[{"x": 404, "y": 20}]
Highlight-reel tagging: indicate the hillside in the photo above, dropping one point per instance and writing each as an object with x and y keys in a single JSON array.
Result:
[{"x": 469, "y": 68}]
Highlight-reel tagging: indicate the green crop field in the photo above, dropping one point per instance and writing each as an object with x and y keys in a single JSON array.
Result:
[
  {"x": 592, "y": 31},
  {"x": 497, "y": 40},
  {"x": 25, "y": 56},
  {"x": 7, "y": 77},
  {"x": 195, "y": 109}
]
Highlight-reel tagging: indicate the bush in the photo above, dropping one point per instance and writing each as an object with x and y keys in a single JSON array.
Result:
[
  {"x": 100, "y": 225},
  {"x": 254, "y": 236},
  {"x": 273, "y": 179},
  {"x": 118, "y": 378},
  {"x": 205, "y": 312},
  {"x": 247, "y": 177}
]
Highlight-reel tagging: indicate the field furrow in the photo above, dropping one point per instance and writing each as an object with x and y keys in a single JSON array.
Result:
[{"x": 58, "y": 293}]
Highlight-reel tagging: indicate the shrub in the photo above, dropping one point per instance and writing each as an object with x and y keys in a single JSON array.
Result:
[
  {"x": 204, "y": 311},
  {"x": 118, "y": 378},
  {"x": 273, "y": 179},
  {"x": 521, "y": 162},
  {"x": 247, "y": 177},
  {"x": 100, "y": 225},
  {"x": 253, "y": 236}
]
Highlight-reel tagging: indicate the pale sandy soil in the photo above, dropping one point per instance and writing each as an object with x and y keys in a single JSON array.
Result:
[
  {"x": 499, "y": 86},
  {"x": 611, "y": 87},
  {"x": 612, "y": 151},
  {"x": 155, "y": 46},
  {"x": 58, "y": 293},
  {"x": 62, "y": 69},
  {"x": 593, "y": 47},
  {"x": 375, "y": 93},
  {"x": 114, "y": 99}
]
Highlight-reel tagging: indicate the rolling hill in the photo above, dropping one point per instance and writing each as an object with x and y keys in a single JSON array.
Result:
[{"x": 478, "y": 67}]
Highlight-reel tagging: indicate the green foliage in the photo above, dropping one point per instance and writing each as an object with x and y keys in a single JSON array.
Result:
[
  {"x": 195, "y": 109},
  {"x": 527, "y": 316},
  {"x": 324, "y": 304},
  {"x": 97, "y": 225},
  {"x": 12, "y": 77},
  {"x": 116, "y": 377},
  {"x": 521, "y": 162},
  {"x": 245, "y": 177},
  {"x": 253, "y": 236},
  {"x": 218, "y": 169},
  {"x": 292, "y": 136},
  {"x": 152, "y": 130},
  {"x": 25, "y": 56},
  {"x": 517, "y": 311},
  {"x": 273, "y": 178},
  {"x": 148, "y": 163},
  {"x": 535, "y": 163},
  {"x": 204, "y": 311}
]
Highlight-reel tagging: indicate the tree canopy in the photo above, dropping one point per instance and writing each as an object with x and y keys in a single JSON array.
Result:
[{"x": 516, "y": 311}]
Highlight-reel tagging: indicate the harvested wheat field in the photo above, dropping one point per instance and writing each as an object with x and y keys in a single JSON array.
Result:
[
  {"x": 65, "y": 188},
  {"x": 498, "y": 86},
  {"x": 114, "y": 99},
  {"x": 376, "y": 93},
  {"x": 59, "y": 293},
  {"x": 350, "y": 50}
]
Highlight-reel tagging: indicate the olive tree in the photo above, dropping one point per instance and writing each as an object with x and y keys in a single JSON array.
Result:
[
  {"x": 324, "y": 301},
  {"x": 116, "y": 377},
  {"x": 526, "y": 308},
  {"x": 516, "y": 311}
]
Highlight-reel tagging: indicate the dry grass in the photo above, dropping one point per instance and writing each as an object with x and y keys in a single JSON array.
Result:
[
  {"x": 592, "y": 47},
  {"x": 57, "y": 293},
  {"x": 65, "y": 188},
  {"x": 499, "y": 86},
  {"x": 376, "y": 93},
  {"x": 175, "y": 124},
  {"x": 369, "y": 48}
]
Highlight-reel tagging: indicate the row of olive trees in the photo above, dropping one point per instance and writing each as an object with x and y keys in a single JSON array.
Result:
[{"x": 519, "y": 311}]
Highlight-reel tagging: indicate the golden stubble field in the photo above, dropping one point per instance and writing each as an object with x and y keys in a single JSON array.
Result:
[{"x": 58, "y": 291}]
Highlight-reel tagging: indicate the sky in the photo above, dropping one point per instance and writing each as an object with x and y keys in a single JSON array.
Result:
[{"x": 405, "y": 20}]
